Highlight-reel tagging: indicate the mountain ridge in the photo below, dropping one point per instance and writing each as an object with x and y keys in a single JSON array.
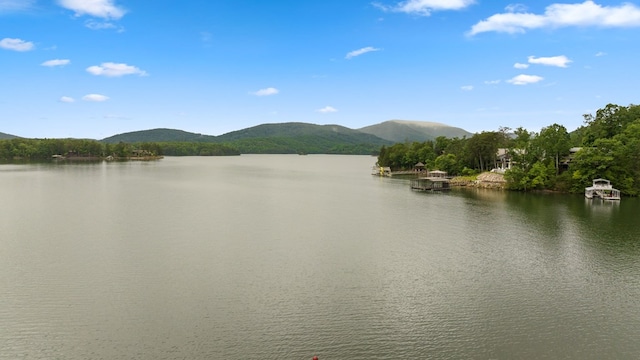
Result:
[
  {"x": 391, "y": 131},
  {"x": 158, "y": 135},
  {"x": 410, "y": 130},
  {"x": 4, "y": 136},
  {"x": 299, "y": 137}
]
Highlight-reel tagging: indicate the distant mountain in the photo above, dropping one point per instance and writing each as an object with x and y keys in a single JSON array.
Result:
[
  {"x": 404, "y": 130},
  {"x": 284, "y": 138},
  {"x": 303, "y": 138},
  {"x": 307, "y": 138},
  {"x": 297, "y": 130},
  {"x": 159, "y": 135},
  {"x": 4, "y": 136}
]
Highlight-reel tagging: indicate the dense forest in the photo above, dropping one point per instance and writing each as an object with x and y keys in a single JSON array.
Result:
[
  {"x": 288, "y": 138},
  {"x": 608, "y": 146},
  {"x": 302, "y": 145},
  {"x": 43, "y": 149}
]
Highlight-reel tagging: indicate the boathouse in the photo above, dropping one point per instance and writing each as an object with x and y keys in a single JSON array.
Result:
[
  {"x": 435, "y": 181},
  {"x": 602, "y": 189}
]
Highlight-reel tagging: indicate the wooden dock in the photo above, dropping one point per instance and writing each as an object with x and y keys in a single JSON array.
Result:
[
  {"x": 430, "y": 184},
  {"x": 386, "y": 171}
]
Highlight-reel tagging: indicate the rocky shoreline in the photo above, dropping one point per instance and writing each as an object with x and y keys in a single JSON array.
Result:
[{"x": 487, "y": 180}]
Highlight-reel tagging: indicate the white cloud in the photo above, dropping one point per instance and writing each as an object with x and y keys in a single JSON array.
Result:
[
  {"x": 327, "y": 109},
  {"x": 587, "y": 13},
  {"x": 600, "y": 53},
  {"x": 425, "y": 7},
  {"x": 266, "y": 92},
  {"x": 110, "y": 69},
  {"x": 467, "y": 87},
  {"x": 67, "y": 99},
  {"x": 16, "y": 44},
  {"x": 525, "y": 79},
  {"x": 559, "y": 61},
  {"x": 56, "y": 62},
  {"x": 512, "y": 8},
  {"x": 95, "y": 98},
  {"x": 492, "y": 82},
  {"x": 106, "y": 9},
  {"x": 102, "y": 25},
  {"x": 520, "y": 66},
  {"x": 359, "y": 52}
]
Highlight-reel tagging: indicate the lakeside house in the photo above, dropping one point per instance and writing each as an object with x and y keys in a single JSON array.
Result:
[
  {"x": 566, "y": 161},
  {"x": 504, "y": 159}
]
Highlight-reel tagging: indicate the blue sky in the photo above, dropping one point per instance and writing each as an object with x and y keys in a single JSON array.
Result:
[{"x": 95, "y": 68}]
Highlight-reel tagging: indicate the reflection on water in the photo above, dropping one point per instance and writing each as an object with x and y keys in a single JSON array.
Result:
[{"x": 287, "y": 257}]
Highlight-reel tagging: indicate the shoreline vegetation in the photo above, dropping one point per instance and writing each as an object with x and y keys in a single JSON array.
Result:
[
  {"x": 92, "y": 150},
  {"x": 552, "y": 160},
  {"x": 606, "y": 146}
]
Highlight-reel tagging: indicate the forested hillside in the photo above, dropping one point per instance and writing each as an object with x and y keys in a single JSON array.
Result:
[
  {"x": 302, "y": 138},
  {"x": 285, "y": 138},
  {"x": 292, "y": 130},
  {"x": 159, "y": 135}
]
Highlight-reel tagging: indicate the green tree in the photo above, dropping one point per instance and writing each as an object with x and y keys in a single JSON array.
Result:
[
  {"x": 598, "y": 161},
  {"x": 483, "y": 147},
  {"x": 540, "y": 175},
  {"x": 555, "y": 142},
  {"x": 448, "y": 163},
  {"x": 441, "y": 145},
  {"x": 24, "y": 149},
  {"x": 611, "y": 144},
  {"x": 517, "y": 179},
  {"x": 521, "y": 152},
  {"x": 608, "y": 122}
]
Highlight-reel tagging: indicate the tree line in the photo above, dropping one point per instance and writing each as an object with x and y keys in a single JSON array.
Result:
[
  {"x": 608, "y": 143},
  {"x": 457, "y": 156},
  {"x": 43, "y": 149}
]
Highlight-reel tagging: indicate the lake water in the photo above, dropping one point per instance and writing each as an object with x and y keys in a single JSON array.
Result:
[{"x": 287, "y": 257}]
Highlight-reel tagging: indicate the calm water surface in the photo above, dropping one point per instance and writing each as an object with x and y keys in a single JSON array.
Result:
[{"x": 287, "y": 257}]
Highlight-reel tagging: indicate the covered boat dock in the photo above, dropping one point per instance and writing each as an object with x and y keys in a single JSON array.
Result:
[
  {"x": 602, "y": 189},
  {"x": 435, "y": 181}
]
